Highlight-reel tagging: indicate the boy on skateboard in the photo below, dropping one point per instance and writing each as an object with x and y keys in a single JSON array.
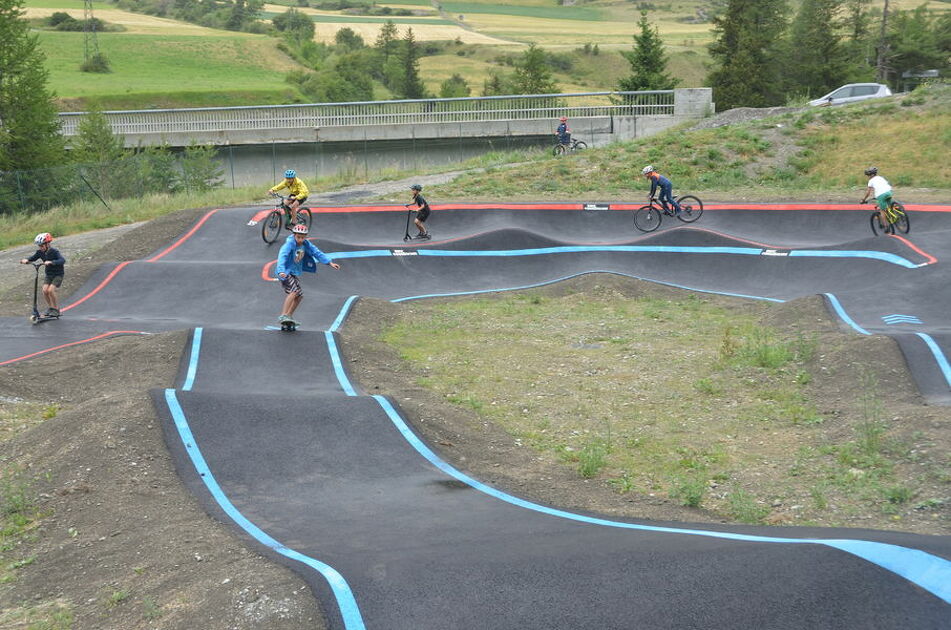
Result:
[
  {"x": 55, "y": 269},
  {"x": 297, "y": 255},
  {"x": 422, "y": 212}
]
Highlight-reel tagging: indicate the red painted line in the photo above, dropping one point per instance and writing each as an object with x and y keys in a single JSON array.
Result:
[
  {"x": 107, "y": 280},
  {"x": 266, "y": 272},
  {"x": 260, "y": 215},
  {"x": 931, "y": 259},
  {"x": 75, "y": 343},
  {"x": 183, "y": 238}
]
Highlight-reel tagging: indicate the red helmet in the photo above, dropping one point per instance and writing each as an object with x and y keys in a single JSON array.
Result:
[
  {"x": 300, "y": 228},
  {"x": 563, "y": 119}
]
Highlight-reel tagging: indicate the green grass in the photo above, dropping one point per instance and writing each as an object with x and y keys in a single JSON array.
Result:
[
  {"x": 154, "y": 64},
  {"x": 365, "y": 19},
  {"x": 585, "y": 14}
]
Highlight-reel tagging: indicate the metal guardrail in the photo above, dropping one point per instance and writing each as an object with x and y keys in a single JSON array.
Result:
[{"x": 404, "y": 112}]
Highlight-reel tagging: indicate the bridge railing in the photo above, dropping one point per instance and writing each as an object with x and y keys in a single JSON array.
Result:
[{"x": 403, "y": 112}]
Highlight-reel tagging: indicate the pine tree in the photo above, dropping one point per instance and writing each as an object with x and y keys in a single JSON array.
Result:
[
  {"x": 29, "y": 125},
  {"x": 817, "y": 59},
  {"x": 532, "y": 75},
  {"x": 747, "y": 54},
  {"x": 387, "y": 42},
  {"x": 857, "y": 28},
  {"x": 648, "y": 62},
  {"x": 412, "y": 86}
]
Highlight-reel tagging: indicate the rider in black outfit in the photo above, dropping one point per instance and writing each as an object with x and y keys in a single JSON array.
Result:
[{"x": 422, "y": 212}]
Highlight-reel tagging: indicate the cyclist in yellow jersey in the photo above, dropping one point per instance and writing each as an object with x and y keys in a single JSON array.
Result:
[{"x": 298, "y": 193}]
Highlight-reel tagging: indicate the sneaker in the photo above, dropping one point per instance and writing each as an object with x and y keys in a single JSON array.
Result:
[
  {"x": 283, "y": 318},
  {"x": 53, "y": 312},
  {"x": 424, "y": 237}
]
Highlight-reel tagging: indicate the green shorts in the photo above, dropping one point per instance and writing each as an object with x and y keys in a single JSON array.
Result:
[
  {"x": 56, "y": 281},
  {"x": 884, "y": 200}
]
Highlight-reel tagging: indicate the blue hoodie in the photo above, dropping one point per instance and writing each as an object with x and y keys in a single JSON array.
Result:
[{"x": 293, "y": 259}]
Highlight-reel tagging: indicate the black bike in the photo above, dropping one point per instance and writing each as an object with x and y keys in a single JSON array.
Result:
[
  {"x": 647, "y": 218},
  {"x": 897, "y": 220},
  {"x": 279, "y": 218},
  {"x": 574, "y": 145}
]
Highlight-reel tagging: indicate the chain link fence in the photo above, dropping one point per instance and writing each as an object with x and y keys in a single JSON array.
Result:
[{"x": 152, "y": 170}]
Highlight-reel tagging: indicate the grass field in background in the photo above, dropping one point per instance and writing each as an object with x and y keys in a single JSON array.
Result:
[{"x": 172, "y": 64}]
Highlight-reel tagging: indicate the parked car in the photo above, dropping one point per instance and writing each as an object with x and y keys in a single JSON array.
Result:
[{"x": 852, "y": 93}]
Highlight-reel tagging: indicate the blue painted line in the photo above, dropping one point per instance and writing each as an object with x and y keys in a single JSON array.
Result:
[
  {"x": 366, "y": 253},
  {"x": 616, "y": 273},
  {"x": 338, "y": 364},
  {"x": 837, "y": 306},
  {"x": 883, "y": 256},
  {"x": 349, "y": 610},
  {"x": 193, "y": 360},
  {"x": 743, "y": 251},
  {"x": 900, "y": 319},
  {"x": 938, "y": 356},
  {"x": 927, "y": 571},
  {"x": 749, "y": 251},
  {"x": 344, "y": 311}
]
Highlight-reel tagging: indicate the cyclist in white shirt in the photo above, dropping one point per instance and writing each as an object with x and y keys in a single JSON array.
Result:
[{"x": 879, "y": 188}]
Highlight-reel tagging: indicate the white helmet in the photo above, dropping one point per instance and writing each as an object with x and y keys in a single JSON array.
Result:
[
  {"x": 43, "y": 238},
  {"x": 647, "y": 169}
]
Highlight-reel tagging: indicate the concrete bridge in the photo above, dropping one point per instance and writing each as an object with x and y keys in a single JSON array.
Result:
[{"x": 599, "y": 117}]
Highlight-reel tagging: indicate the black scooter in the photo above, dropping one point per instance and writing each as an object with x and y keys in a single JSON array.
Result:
[{"x": 36, "y": 318}]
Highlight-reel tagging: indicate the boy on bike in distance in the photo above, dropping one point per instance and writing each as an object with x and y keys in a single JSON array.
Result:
[
  {"x": 298, "y": 193},
  {"x": 54, "y": 264},
  {"x": 879, "y": 188},
  {"x": 422, "y": 211},
  {"x": 563, "y": 132},
  {"x": 297, "y": 255},
  {"x": 666, "y": 188}
]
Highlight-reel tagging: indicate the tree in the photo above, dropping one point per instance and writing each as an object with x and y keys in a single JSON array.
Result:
[
  {"x": 295, "y": 24},
  {"x": 348, "y": 39},
  {"x": 914, "y": 43},
  {"x": 387, "y": 42},
  {"x": 454, "y": 87},
  {"x": 746, "y": 54},
  {"x": 857, "y": 30},
  {"x": 532, "y": 75},
  {"x": 817, "y": 59},
  {"x": 648, "y": 62},
  {"x": 29, "y": 125},
  {"x": 101, "y": 153},
  {"x": 493, "y": 86},
  {"x": 410, "y": 85}
]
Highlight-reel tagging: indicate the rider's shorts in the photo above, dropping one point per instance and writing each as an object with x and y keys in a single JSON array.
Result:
[
  {"x": 56, "y": 281},
  {"x": 423, "y": 213},
  {"x": 291, "y": 284},
  {"x": 884, "y": 200}
]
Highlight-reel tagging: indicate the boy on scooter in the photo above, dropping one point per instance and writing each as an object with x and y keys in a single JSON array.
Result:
[{"x": 55, "y": 270}]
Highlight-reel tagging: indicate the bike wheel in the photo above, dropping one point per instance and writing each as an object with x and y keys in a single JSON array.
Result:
[
  {"x": 558, "y": 150},
  {"x": 271, "y": 226},
  {"x": 305, "y": 216},
  {"x": 902, "y": 223},
  {"x": 690, "y": 208},
  {"x": 579, "y": 146},
  {"x": 647, "y": 219},
  {"x": 875, "y": 222}
]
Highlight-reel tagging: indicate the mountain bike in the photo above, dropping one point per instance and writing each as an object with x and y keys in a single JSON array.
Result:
[
  {"x": 897, "y": 220},
  {"x": 279, "y": 218},
  {"x": 647, "y": 218},
  {"x": 574, "y": 145}
]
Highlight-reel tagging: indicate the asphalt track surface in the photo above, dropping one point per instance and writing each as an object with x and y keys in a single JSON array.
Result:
[{"x": 335, "y": 484}]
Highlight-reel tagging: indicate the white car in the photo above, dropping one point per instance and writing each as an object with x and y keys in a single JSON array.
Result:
[{"x": 852, "y": 93}]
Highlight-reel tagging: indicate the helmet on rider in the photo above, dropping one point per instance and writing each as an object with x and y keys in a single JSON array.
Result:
[
  {"x": 416, "y": 187},
  {"x": 647, "y": 169},
  {"x": 300, "y": 228},
  {"x": 563, "y": 119},
  {"x": 44, "y": 238},
  {"x": 290, "y": 173},
  {"x": 871, "y": 171}
]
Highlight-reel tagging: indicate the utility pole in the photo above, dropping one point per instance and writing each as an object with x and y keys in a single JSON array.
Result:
[
  {"x": 89, "y": 29},
  {"x": 881, "y": 71}
]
